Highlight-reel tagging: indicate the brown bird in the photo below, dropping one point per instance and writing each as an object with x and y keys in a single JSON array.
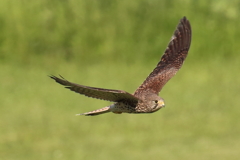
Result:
[{"x": 145, "y": 99}]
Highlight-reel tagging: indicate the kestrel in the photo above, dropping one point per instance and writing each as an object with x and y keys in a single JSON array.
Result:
[{"x": 145, "y": 99}]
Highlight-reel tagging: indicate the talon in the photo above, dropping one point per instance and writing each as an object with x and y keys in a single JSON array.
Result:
[{"x": 117, "y": 112}]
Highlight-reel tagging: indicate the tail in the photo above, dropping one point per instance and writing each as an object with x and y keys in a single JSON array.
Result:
[{"x": 96, "y": 112}]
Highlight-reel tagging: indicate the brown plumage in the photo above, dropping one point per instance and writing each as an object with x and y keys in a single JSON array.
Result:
[
  {"x": 145, "y": 99},
  {"x": 171, "y": 61}
]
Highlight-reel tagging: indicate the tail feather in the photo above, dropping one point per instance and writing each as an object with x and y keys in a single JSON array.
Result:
[{"x": 96, "y": 112}]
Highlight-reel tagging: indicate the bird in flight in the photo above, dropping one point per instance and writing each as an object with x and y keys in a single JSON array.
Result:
[{"x": 145, "y": 99}]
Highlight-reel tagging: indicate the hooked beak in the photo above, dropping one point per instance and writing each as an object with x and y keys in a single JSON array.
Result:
[{"x": 161, "y": 103}]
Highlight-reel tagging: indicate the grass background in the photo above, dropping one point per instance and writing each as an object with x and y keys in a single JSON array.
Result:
[{"x": 115, "y": 45}]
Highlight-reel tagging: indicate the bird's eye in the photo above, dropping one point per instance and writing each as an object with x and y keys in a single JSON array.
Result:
[{"x": 156, "y": 101}]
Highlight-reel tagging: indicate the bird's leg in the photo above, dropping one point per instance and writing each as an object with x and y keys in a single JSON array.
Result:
[{"x": 117, "y": 112}]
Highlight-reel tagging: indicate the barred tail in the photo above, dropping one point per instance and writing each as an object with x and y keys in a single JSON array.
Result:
[{"x": 96, "y": 112}]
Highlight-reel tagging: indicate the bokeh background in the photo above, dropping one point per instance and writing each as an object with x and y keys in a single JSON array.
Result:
[{"x": 115, "y": 45}]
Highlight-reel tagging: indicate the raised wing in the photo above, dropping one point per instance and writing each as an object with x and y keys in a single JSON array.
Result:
[
  {"x": 99, "y": 93},
  {"x": 170, "y": 62}
]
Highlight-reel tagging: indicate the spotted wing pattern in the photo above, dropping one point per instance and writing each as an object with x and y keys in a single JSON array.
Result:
[
  {"x": 99, "y": 93},
  {"x": 170, "y": 62}
]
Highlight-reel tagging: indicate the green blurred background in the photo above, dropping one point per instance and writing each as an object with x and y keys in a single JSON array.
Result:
[{"x": 115, "y": 45}]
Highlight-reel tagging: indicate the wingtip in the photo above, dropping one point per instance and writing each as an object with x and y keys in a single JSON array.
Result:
[
  {"x": 61, "y": 76},
  {"x": 184, "y": 20},
  {"x": 53, "y": 77}
]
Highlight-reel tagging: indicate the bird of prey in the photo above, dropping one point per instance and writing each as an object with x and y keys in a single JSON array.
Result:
[{"x": 145, "y": 99}]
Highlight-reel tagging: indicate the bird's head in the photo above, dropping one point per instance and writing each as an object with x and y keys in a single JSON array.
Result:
[{"x": 155, "y": 102}]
